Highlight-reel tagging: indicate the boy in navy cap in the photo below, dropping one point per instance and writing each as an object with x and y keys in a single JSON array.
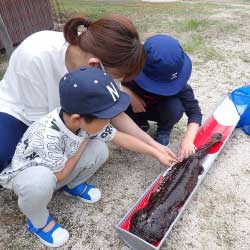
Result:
[
  {"x": 66, "y": 147},
  {"x": 161, "y": 93}
]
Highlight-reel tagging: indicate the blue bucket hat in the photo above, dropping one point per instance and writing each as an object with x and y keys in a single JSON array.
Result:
[
  {"x": 167, "y": 68},
  {"x": 91, "y": 91}
]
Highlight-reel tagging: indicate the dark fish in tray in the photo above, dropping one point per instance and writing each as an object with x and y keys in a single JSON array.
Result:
[{"x": 152, "y": 222}]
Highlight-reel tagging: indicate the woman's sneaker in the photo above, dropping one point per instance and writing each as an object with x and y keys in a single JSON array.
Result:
[
  {"x": 55, "y": 237},
  {"x": 84, "y": 191},
  {"x": 163, "y": 136}
]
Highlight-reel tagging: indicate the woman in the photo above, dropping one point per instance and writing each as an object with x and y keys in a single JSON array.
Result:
[{"x": 29, "y": 89}]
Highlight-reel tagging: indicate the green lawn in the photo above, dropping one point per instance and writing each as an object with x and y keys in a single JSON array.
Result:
[
  {"x": 188, "y": 22},
  {"x": 1, "y": 74}
]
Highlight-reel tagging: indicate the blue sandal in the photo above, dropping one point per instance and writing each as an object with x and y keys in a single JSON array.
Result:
[
  {"x": 56, "y": 237},
  {"x": 85, "y": 192}
]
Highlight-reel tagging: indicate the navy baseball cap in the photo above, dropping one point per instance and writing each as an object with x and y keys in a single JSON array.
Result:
[
  {"x": 90, "y": 90},
  {"x": 167, "y": 68}
]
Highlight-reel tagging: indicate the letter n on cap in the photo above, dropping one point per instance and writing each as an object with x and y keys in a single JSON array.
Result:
[{"x": 113, "y": 91}]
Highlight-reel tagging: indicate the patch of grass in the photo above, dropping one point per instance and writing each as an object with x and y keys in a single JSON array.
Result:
[
  {"x": 95, "y": 10},
  {"x": 197, "y": 44},
  {"x": 212, "y": 5},
  {"x": 211, "y": 53},
  {"x": 193, "y": 43},
  {"x": 178, "y": 19},
  {"x": 3, "y": 58},
  {"x": 245, "y": 59},
  {"x": 192, "y": 24},
  {"x": 1, "y": 75},
  {"x": 226, "y": 28},
  {"x": 141, "y": 13}
]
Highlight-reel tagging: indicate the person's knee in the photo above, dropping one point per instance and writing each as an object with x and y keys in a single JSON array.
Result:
[
  {"x": 101, "y": 151},
  {"x": 39, "y": 188},
  {"x": 173, "y": 109},
  {"x": 179, "y": 111}
]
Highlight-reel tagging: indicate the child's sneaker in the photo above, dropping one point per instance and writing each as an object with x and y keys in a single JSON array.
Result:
[
  {"x": 163, "y": 136},
  {"x": 85, "y": 192},
  {"x": 55, "y": 237}
]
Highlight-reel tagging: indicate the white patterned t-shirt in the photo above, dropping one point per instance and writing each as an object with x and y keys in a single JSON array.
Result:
[{"x": 48, "y": 142}]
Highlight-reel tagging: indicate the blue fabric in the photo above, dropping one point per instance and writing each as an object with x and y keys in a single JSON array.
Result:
[
  {"x": 33, "y": 229},
  {"x": 90, "y": 91},
  {"x": 46, "y": 236},
  {"x": 80, "y": 190},
  {"x": 167, "y": 68},
  {"x": 167, "y": 113},
  {"x": 11, "y": 131},
  {"x": 166, "y": 110},
  {"x": 241, "y": 100}
]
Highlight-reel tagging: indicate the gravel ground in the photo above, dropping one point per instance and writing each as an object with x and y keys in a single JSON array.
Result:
[{"x": 218, "y": 217}]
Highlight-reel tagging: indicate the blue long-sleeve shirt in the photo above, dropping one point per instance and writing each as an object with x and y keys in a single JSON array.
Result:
[{"x": 186, "y": 95}]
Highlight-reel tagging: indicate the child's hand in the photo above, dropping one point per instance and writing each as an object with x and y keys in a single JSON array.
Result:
[
  {"x": 165, "y": 149},
  {"x": 137, "y": 103},
  {"x": 166, "y": 159},
  {"x": 71, "y": 163},
  {"x": 164, "y": 156},
  {"x": 186, "y": 149}
]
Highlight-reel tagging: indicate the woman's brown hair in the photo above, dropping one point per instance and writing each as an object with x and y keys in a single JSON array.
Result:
[{"x": 113, "y": 39}]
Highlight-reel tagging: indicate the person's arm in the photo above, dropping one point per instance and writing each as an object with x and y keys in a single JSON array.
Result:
[
  {"x": 191, "y": 105},
  {"x": 71, "y": 163},
  {"x": 187, "y": 146},
  {"x": 132, "y": 143},
  {"x": 193, "y": 112},
  {"x": 125, "y": 124}
]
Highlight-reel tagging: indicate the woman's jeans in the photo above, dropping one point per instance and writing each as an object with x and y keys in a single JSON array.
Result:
[{"x": 11, "y": 131}]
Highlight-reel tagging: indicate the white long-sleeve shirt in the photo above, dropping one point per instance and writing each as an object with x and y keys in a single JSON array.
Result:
[{"x": 30, "y": 86}]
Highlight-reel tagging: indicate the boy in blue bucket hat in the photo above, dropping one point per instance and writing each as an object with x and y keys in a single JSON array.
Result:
[
  {"x": 161, "y": 92},
  {"x": 65, "y": 148}
]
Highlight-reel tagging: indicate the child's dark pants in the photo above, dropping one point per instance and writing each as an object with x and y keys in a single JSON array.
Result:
[{"x": 166, "y": 113}]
